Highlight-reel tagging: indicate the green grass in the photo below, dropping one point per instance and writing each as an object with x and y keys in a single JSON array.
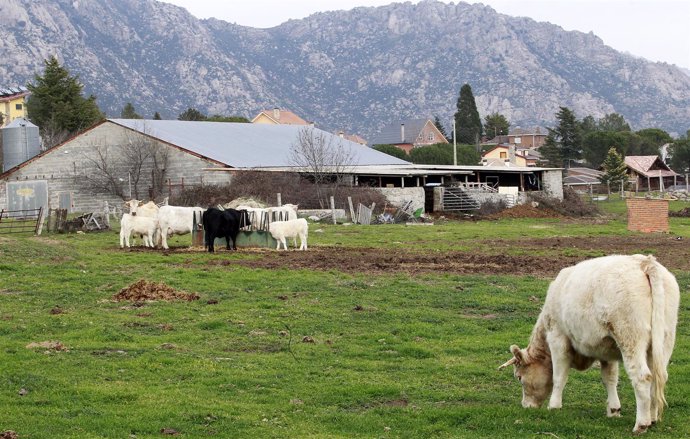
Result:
[{"x": 393, "y": 356}]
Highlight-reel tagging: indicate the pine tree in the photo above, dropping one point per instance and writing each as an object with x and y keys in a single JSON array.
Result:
[
  {"x": 128, "y": 112},
  {"x": 156, "y": 116},
  {"x": 564, "y": 143},
  {"x": 468, "y": 124},
  {"x": 192, "y": 114},
  {"x": 496, "y": 124},
  {"x": 57, "y": 106},
  {"x": 615, "y": 170}
]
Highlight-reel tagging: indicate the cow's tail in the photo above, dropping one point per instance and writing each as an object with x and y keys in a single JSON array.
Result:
[{"x": 659, "y": 375}]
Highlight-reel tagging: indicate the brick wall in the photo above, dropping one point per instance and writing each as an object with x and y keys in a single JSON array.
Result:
[{"x": 646, "y": 215}]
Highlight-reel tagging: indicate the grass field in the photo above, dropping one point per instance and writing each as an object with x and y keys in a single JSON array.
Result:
[{"x": 294, "y": 352}]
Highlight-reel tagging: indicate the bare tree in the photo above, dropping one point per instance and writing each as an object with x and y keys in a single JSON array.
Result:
[
  {"x": 134, "y": 168},
  {"x": 324, "y": 159}
]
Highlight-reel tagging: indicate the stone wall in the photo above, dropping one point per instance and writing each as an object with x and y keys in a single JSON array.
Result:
[
  {"x": 398, "y": 196},
  {"x": 552, "y": 184}
]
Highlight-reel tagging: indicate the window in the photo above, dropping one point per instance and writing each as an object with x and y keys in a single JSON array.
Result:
[
  {"x": 518, "y": 140},
  {"x": 18, "y": 106},
  {"x": 504, "y": 155},
  {"x": 430, "y": 137}
]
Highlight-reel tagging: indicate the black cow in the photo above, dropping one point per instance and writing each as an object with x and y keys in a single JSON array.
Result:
[{"x": 225, "y": 223}]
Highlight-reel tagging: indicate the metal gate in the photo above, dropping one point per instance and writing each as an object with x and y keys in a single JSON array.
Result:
[
  {"x": 21, "y": 221},
  {"x": 455, "y": 198}
]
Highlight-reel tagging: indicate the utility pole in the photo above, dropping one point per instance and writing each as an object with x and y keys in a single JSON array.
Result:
[{"x": 455, "y": 146}]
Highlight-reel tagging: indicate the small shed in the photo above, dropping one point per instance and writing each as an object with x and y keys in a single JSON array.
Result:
[{"x": 650, "y": 173}]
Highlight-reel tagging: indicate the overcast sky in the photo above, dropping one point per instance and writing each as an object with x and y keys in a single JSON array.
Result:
[{"x": 658, "y": 30}]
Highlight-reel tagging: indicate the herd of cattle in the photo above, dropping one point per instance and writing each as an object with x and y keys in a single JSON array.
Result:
[
  {"x": 155, "y": 224},
  {"x": 605, "y": 309}
]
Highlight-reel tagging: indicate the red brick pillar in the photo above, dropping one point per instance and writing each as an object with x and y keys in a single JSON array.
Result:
[{"x": 645, "y": 215}]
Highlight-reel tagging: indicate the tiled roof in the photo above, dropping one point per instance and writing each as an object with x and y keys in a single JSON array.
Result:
[
  {"x": 648, "y": 166},
  {"x": 8, "y": 94}
]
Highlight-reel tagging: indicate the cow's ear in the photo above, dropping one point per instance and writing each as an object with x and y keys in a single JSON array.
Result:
[{"x": 518, "y": 354}]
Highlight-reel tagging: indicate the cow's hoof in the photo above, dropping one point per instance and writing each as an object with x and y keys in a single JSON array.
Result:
[
  {"x": 613, "y": 413},
  {"x": 639, "y": 429}
]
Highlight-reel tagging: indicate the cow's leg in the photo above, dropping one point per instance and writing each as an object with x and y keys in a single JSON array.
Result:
[
  {"x": 609, "y": 375},
  {"x": 560, "y": 362},
  {"x": 635, "y": 363}
]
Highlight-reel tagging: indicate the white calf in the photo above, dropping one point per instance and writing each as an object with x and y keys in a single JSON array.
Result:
[
  {"x": 176, "y": 220},
  {"x": 280, "y": 230},
  {"x": 141, "y": 225}
]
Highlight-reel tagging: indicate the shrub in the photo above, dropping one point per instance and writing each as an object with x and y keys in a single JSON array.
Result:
[{"x": 572, "y": 205}]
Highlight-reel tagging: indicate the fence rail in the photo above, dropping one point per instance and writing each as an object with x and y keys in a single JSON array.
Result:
[{"x": 21, "y": 221}]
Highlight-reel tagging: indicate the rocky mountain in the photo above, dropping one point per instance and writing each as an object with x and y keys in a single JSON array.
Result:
[{"x": 355, "y": 70}]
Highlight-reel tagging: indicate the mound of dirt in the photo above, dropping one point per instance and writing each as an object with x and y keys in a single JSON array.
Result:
[
  {"x": 525, "y": 211},
  {"x": 142, "y": 290}
]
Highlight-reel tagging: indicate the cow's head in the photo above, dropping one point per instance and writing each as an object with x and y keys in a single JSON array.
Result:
[
  {"x": 132, "y": 205},
  {"x": 535, "y": 375}
]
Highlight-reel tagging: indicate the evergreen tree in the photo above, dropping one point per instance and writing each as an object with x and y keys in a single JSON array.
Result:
[
  {"x": 615, "y": 170},
  {"x": 191, "y": 114},
  {"x": 156, "y": 116},
  {"x": 589, "y": 125},
  {"x": 439, "y": 126},
  {"x": 57, "y": 106},
  {"x": 468, "y": 124},
  {"x": 496, "y": 124},
  {"x": 221, "y": 118},
  {"x": 613, "y": 122},
  {"x": 680, "y": 155},
  {"x": 128, "y": 112},
  {"x": 563, "y": 143}
]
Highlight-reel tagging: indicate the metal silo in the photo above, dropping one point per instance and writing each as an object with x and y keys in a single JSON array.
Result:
[{"x": 20, "y": 142}]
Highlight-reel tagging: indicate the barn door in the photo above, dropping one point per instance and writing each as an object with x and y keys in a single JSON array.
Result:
[{"x": 24, "y": 195}]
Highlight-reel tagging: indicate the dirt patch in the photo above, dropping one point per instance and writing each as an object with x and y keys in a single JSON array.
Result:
[
  {"x": 48, "y": 346},
  {"x": 142, "y": 290},
  {"x": 9, "y": 434},
  {"x": 525, "y": 211},
  {"x": 538, "y": 257}
]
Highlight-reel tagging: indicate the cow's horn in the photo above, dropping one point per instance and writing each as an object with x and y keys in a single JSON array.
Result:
[{"x": 507, "y": 363}]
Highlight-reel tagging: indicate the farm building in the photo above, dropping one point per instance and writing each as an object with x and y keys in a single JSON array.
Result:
[
  {"x": 650, "y": 173},
  {"x": 120, "y": 159}
]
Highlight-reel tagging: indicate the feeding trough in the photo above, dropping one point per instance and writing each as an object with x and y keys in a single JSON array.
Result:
[{"x": 257, "y": 236}]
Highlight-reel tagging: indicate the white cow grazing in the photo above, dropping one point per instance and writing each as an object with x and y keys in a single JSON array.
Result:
[
  {"x": 281, "y": 230},
  {"x": 176, "y": 220},
  {"x": 142, "y": 225},
  {"x": 606, "y": 309}
]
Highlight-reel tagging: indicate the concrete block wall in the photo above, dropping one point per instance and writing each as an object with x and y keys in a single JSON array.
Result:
[
  {"x": 645, "y": 215},
  {"x": 62, "y": 166}
]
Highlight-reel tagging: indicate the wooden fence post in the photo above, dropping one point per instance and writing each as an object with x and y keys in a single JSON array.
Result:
[{"x": 333, "y": 209}]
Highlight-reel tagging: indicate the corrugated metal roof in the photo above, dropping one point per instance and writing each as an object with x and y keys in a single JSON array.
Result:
[{"x": 245, "y": 145}]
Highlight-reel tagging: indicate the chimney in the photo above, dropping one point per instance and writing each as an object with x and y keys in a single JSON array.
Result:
[
  {"x": 276, "y": 113},
  {"x": 511, "y": 154},
  {"x": 341, "y": 134},
  {"x": 402, "y": 133}
]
